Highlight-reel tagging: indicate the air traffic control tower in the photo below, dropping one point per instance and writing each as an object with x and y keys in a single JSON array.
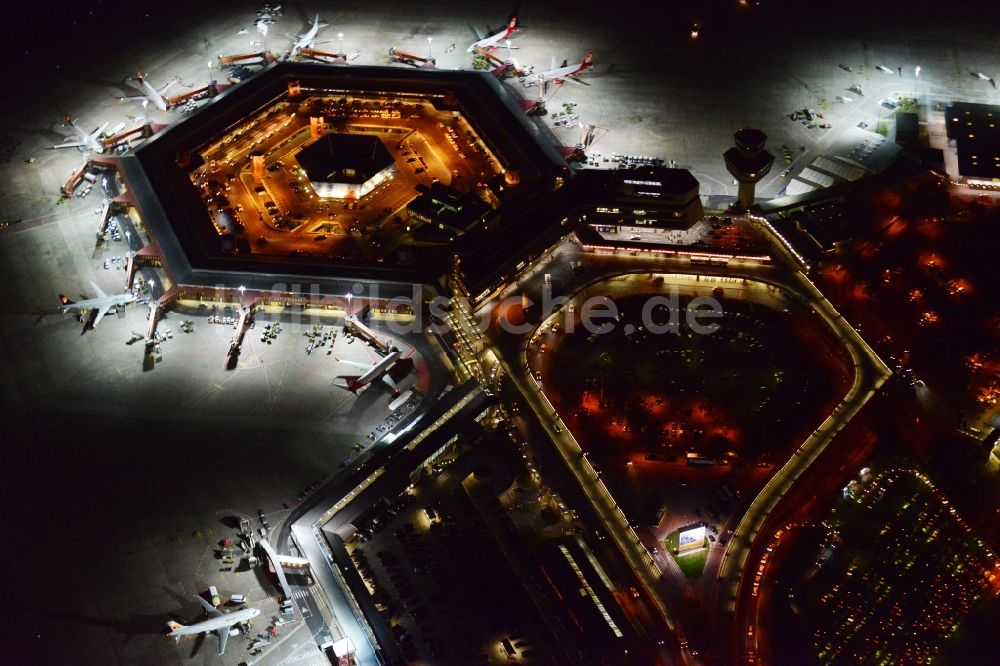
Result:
[{"x": 748, "y": 162}]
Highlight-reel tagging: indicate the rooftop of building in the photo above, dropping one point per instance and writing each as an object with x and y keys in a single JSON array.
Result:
[
  {"x": 175, "y": 215},
  {"x": 975, "y": 128}
]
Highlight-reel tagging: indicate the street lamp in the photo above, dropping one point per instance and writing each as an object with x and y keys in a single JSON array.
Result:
[
  {"x": 210, "y": 71},
  {"x": 916, "y": 75},
  {"x": 507, "y": 42},
  {"x": 429, "y": 41},
  {"x": 145, "y": 108},
  {"x": 340, "y": 36}
]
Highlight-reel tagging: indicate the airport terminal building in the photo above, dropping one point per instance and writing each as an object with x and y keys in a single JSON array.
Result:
[{"x": 310, "y": 181}]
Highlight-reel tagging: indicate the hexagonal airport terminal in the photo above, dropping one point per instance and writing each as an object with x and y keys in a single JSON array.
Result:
[{"x": 330, "y": 175}]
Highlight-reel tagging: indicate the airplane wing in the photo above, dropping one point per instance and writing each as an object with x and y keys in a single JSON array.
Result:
[
  {"x": 552, "y": 64},
  {"x": 100, "y": 292},
  {"x": 166, "y": 86},
  {"x": 74, "y": 144},
  {"x": 360, "y": 366},
  {"x": 209, "y": 608},
  {"x": 573, "y": 79},
  {"x": 223, "y": 633},
  {"x": 101, "y": 311},
  {"x": 134, "y": 98}
]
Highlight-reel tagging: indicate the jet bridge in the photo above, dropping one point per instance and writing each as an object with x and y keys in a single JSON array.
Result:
[
  {"x": 324, "y": 57},
  {"x": 409, "y": 59},
  {"x": 354, "y": 325},
  {"x": 246, "y": 59},
  {"x": 74, "y": 179},
  {"x": 279, "y": 571}
]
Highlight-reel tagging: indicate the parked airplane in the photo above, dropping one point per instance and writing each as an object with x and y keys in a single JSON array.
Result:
[
  {"x": 372, "y": 372},
  {"x": 102, "y": 303},
  {"x": 491, "y": 41},
  {"x": 884, "y": 69},
  {"x": 307, "y": 40},
  {"x": 154, "y": 95},
  {"x": 89, "y": 141},
  {"x": 559, "y": 74},
  {"x": 843, "y": 99},
  {"x": 219, "y": 622}
]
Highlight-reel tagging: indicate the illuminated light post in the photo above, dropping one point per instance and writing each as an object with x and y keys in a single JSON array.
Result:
[
  {"x": 916, "y": 76},
  {"x": 430, "y": 40},
  {"x": 145, "y": 108},
  {"x": 507, "y": 42},
  {"x": 210, "y": 79},
  {"x": 340, "y": 36}
]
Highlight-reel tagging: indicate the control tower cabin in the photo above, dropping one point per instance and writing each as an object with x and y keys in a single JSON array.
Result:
[{"x": 748, "y": 162}]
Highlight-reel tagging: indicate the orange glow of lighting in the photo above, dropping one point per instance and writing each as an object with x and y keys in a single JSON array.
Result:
[
  {"x": 931, "y": 261},
  {"x": 930, "y": 227},
  {"x": 894, "y": 226},
  {"x": 959, "y": 286},
  {"x": 835, "y": 272},
  {"x": 928, "y": 318}
]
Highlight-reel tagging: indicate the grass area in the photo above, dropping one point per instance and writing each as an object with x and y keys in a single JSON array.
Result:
[{"x": 692, "y": 563}]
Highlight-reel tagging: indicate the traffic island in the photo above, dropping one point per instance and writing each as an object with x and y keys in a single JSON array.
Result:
[{"x": 689, "y": 548}]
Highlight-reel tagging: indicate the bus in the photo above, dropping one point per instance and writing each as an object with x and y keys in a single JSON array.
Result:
[{"x": 698, "y": 460}]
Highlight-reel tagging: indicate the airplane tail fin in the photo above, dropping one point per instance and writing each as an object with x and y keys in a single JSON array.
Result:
[
  {"x": 174, "y": 627},
  {"x": 588, "y": 61},
  {"x": 512, "y": 26}
]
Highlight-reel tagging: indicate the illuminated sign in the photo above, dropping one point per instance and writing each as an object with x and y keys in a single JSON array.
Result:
[
  {"x": 692, "y": 536},
  {"x": 642, "y": 182}
]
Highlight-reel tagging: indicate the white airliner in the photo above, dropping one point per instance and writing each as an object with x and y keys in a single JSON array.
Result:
[
  {"x": 307, "y": 39},
  {"x": 154, "y": 95},
  {"x": 491, "y": 41},
  {"x": 378, "y": 370},
  {"x": 89, "y": 141},
  {"x": 219, "y": 623},
  {"x": 102, "y": 303},
  {"x": 559, "y": 74}
]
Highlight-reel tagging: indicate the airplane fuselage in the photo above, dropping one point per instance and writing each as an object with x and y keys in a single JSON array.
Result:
[
  {"x": 491, "y": 41},
  {"x": 562, "y": 73},
  {"x": 91, "y": 303},
  {"x": 216, "y": 623},
  {"x": 158, "y": 100},
  {"x": 305, "y": 40},
  {"x": 378, "y": 369}
]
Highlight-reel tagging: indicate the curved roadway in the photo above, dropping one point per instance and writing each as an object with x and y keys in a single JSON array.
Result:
[{"x": 870, "y": 373}]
